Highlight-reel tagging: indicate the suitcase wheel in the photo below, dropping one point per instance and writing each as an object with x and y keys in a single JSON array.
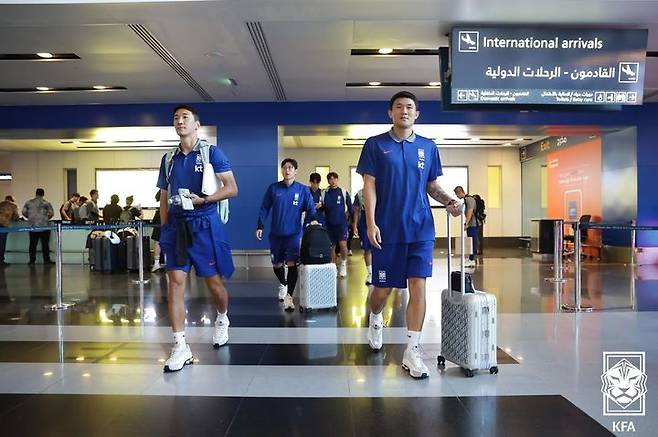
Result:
[
  {"x": 334, "y": 309},
  {"x": 441, "y": 361},
  {"x": 494, "y": 370},
  {"x": 469, "y": 373},
  {"x": 301, "y": 309}
]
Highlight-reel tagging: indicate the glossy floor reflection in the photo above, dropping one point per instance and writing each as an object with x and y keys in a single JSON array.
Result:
[{"x": 300, "y": 373}]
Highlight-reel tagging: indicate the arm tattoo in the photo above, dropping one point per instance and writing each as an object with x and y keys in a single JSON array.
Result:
[{"x": 437, "y": 193}]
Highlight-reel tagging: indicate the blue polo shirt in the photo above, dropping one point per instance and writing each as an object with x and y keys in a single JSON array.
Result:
[
  {"x": 402, "y": 168},
  {"x": 287, "y": 205},
  {"x": 358, "y": 203},
  {"x": 316, "y": 195},
  {"x": 187, "y": 172},
  {"x": 335, "y": 206}
]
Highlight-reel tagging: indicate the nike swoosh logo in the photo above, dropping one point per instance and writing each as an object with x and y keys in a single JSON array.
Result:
[{"x": 386, "y": 152}]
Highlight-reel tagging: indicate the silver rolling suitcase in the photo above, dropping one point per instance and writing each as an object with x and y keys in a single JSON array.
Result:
[
  {"x": 317, "y": 287},
  {"x": 468, "y": 322}
]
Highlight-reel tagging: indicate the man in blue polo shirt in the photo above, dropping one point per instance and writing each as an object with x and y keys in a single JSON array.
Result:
[
  {"x": 336, "y": 205},
  {"x": 399, "y": 170},
  {"x": 360, "y": 229},
  {"x": 192, "y": 233},
  {"x": 316, "y": 193},
  {"x": 287, "y": 200}
]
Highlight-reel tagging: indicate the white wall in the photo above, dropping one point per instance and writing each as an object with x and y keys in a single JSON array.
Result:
[
  {"x": 501, "y": 222},
  {"x": 47, "y": 170}
]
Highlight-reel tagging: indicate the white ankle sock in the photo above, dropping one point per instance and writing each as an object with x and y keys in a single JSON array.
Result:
[
  {"x": 179, "y": 338},
  {"x": 376, "y": 319},
  {"x": 222, "y": 316},
  {"x": 414, "y": 338}
]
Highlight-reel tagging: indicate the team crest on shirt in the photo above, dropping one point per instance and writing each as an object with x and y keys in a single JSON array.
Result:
[
  {"x": 421, "y": 159},
  {"x": 198, "y": 159},
  {"x": 295, "y": 201}
]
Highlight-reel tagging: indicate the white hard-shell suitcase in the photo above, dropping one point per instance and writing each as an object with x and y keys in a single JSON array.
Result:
[
  {"x": 468, "y": 323},
  {"x": 317, "y": 287}
]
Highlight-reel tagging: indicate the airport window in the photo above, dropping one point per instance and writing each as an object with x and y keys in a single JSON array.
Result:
[
  {"x": 323, "y": 170},
  {"x": 544, "y": 187},
  {"x": 139, "y": 183},
  {"x": 356, "y": 182},
  {"x": 494, "y": 182},
  {"x": 452, "y": 177}
]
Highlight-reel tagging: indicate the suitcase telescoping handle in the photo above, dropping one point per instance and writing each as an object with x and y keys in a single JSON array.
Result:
[{"x": 463, "y": 247}]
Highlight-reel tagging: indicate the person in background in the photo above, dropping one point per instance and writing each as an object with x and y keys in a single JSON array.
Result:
[
  {"x": 112, "y": 211},
  {"x": 66, "y": 210},
  {"x": 80, "y": 209},
  {"x": 337, "y": 206},
  {"x": 8, "y": 215},
  {"x": 158, "y": 254},
  {"x": 38, "y": 212},
  {"x": 316, "y": 193},
  {"x": 470, "y": 223},
  {"x": 93, "y": 213}
]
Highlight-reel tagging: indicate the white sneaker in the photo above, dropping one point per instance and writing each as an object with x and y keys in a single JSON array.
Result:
[
  {"x": 288, "y": 303},
  {"x": 412, "y": 362},
  {"x": 156, "y": 267},
  {"x": 283, "y": 291},
  {"x": 369, "y": 279},
  {"x": 180, "y": 357},
  {"x": 375, "y": 337},
  {"x": 220, "y": 337},
  {"x": 343, "y": 269}
]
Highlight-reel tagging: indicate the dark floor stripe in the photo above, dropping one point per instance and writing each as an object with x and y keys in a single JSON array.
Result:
[{"x": 103, "y": 415}]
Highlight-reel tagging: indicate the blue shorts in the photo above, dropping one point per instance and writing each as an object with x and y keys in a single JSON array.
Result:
[
  {"x": 337, "y": 233},
  {"x": 210, "y": 254},
  {"x": 363, "y": 236},
  {"x": 285, "y": 249},
  {"x": 395, "y": 263}
]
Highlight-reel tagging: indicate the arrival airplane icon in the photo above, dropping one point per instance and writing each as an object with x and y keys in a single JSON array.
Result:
[
  {"x": 628, "y": 72},
  {"x": 469, "y": 41}
]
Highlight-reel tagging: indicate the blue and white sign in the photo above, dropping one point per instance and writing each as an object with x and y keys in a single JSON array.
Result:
[{"x": 547, "y": 66}]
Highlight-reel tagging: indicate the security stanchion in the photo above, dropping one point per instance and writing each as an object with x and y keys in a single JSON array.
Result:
[
  {"x": 558, "y": 237},
  {"x": 140, "y": 247},
  {"x": 60, "y": 305},
  {"x": 578, "y": 307}
]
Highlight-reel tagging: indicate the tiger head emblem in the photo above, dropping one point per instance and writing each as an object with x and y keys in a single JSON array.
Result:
[{"x": 624, "y": 383}]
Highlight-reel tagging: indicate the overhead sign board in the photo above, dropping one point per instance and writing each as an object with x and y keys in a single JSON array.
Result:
[{"x": 547, "y": 66}]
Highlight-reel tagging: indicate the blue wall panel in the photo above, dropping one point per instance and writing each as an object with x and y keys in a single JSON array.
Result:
[{"x": 248, "y": 131}]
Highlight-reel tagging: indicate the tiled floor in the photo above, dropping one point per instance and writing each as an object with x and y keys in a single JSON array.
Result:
[{"x": 299, "y": 374}]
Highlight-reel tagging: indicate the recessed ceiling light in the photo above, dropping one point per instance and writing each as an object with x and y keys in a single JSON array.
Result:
[
  {"x": 42, "y": 88},
  {"x": 475, "y": 139},
  {"x": 385, "y": 51},
  {"x": 434, "y": 84},
  {"x": 519, "y": 139},
  {"x": 374, "y": 83},
  {"x": 45, "y": 55},
  {"x": 100, "y": 87},
  {"x": 507, "y": 144}
]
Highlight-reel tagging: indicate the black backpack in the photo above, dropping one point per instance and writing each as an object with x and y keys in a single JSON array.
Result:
[
  {"x": 480, "y": 206},
  {"x": 316, "y": 245}
]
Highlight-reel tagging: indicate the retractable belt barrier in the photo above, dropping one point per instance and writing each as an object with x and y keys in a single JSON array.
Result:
[
  {"x": 577, "y": 254},
  {"x": 59, "y": 229}
]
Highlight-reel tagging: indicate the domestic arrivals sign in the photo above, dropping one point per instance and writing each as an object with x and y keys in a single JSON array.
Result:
[{"x": 547, "y": 66}]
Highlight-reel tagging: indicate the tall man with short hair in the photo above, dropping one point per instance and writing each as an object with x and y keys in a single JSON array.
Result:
[
  {"x": 193, "y": 235},
  {"x": 336, "y": 204},
  {"x": 286, "y": 200},
  {"x": 399, "y": 170}
]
